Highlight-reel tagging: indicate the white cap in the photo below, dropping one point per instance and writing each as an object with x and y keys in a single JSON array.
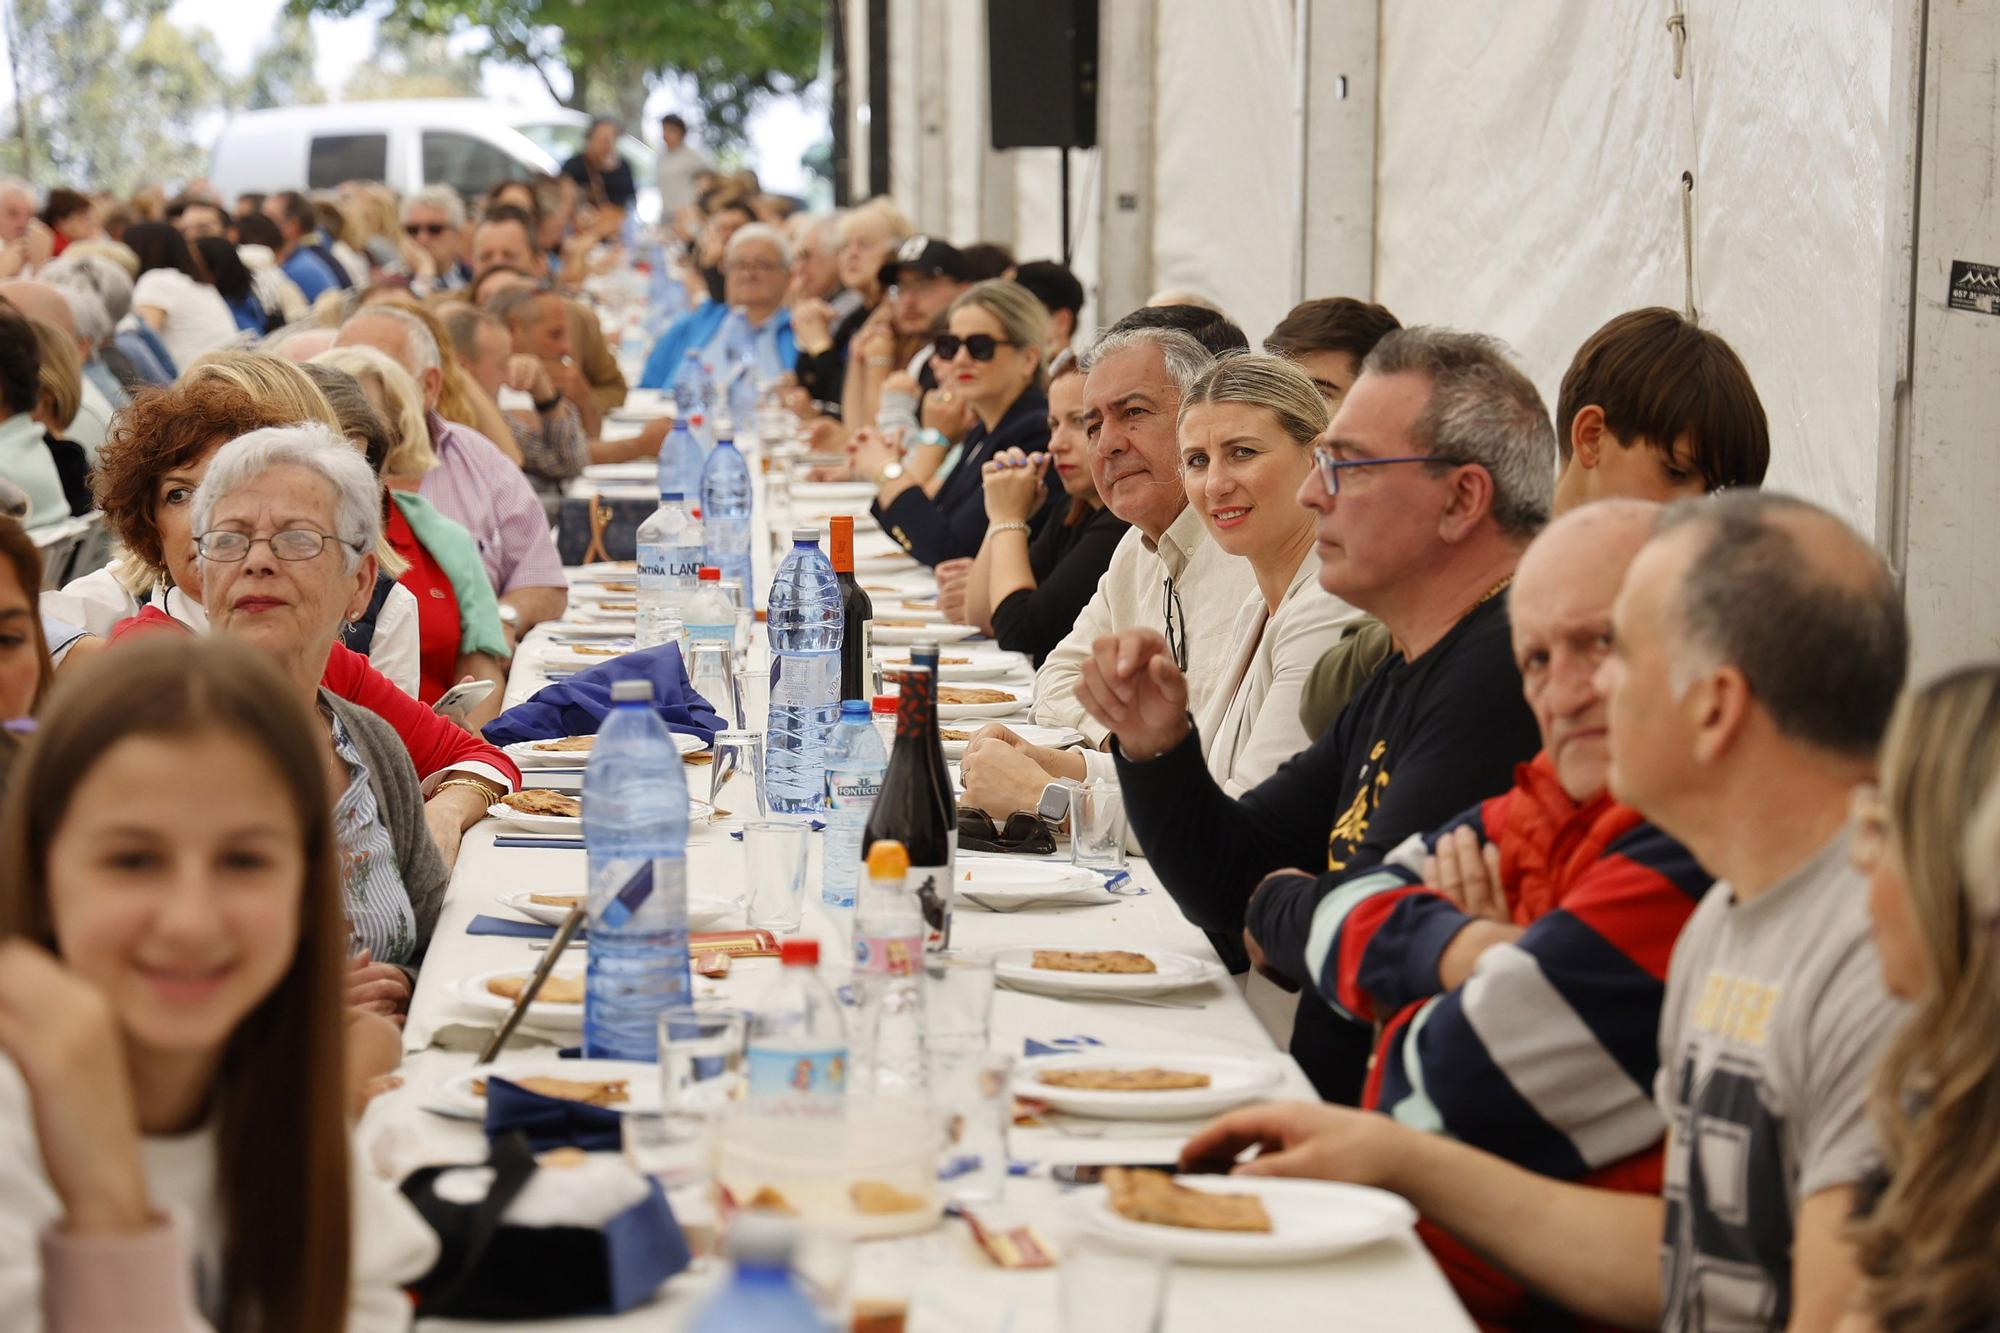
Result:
[{"x": 632, "y": 691}]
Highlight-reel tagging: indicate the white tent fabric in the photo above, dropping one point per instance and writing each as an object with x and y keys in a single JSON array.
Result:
[{"x": 1549, "y": 198}]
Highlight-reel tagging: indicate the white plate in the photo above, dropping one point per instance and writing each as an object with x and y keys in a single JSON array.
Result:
[
  {"x": 702, "y": 911},
  {"x": 833, "y": 490},
  {"x": 1010, "y": 880},
  {"x": 615, "y": 571},
  {"x": 567, "y": 1017},
  {"x": 908, "y": 634},
  {"x": 568, "y": 659},
  {"x": 958, "y": 712},
  {"x": 564, "y": 634},
  {"x": 982, "y": 666},
  {"x": 605, "y": 590},
  {"x": 1233, "y": 1080},
  {"x": 640, "y": 471},
  {"x": 625, "y": 613},
  {"x": 455, "y": 1097},
  {"x": 1014, "y": 965},
  {"x": 1310, "y": 1220},
  {"x": 526, "y": 755},
  {"x": 1027, "y": 731},
  {"x": 572, "y": 825}
]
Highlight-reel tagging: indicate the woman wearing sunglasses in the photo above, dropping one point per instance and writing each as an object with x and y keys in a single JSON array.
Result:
[
  {"x": 991, "y": 357},
  {"x": 1928, "y": 1240}
]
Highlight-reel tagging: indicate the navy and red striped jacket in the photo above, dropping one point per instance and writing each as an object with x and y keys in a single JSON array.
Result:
[{"x": 1545, "y": 1055}]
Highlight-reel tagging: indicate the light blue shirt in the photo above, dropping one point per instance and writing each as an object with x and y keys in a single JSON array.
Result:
[{"x": 25, "y": 460}]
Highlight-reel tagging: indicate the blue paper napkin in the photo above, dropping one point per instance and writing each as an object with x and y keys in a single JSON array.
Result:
[
  {"x": 1058, "y": 1045},
  {"x": 550, "y": 1122},
  {"x": 519, "y": 930}
]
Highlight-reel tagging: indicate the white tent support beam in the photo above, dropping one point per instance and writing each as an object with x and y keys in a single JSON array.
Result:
[
  {"x": 1337, "y": 149},
  {"x": 1125, "y": 147},
  {"x": 1940, "y": 473}
]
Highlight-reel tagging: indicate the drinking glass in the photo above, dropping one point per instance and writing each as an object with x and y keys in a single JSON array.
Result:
[
  {"x": 1097, "y": 825},
  {"x": 701, "y": 1074},
  {"x": 776, "y": 856},
  {"x": 972, "y": 1091},
  {"x": 753, "y": 687},
  {"x": 712, "y": 675},
  {"x": 1107, "y": 1290},
  {"x": 958, "y": 1002},
  {"x": 736, "y": 777}
]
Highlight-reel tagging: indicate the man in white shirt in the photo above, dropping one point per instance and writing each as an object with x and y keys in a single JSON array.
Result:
[
  {"x": 678, "y": 167},
  {"x": 1166, "y": 575}
]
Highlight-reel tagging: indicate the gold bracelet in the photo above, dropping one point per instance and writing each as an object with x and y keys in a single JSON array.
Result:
[{"x": 486, "y": 793}]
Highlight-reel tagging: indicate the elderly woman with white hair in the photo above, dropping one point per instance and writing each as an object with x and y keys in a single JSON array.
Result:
[
  {"x": 286, "y": 522},
  {"x": 756, "y": 270}
]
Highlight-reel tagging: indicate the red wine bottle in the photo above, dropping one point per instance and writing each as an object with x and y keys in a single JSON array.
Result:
[
  {"x": 915, "y": 806},
  {"x": 857, "y": 663}
]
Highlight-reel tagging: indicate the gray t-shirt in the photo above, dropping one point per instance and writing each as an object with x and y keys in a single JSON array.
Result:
[
  {"x": 674, "y": 174},
  {"x": 1775, "y": 1015}
]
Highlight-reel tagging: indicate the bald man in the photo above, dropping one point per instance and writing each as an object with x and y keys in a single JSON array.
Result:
[
  {"x": 1758, "y": 645},
  {"x": 38, "y": 300}
]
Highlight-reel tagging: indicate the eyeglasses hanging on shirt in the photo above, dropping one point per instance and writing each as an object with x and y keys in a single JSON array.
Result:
[{"x": 1176, "y": 619}]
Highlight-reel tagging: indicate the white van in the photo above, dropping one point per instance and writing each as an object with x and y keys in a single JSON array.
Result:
[{"x": 466, "y": 143}]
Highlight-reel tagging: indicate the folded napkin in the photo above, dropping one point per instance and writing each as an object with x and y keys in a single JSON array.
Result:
[
  {"x": 576, "y": 706},
  {"x": 520, "y": 930},
  {"x": 550, "y": 1122},
  {"x": 1057, "y": 1045}
]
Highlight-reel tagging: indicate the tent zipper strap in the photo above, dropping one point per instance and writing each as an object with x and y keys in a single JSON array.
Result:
[
  {"x": 1677, "y": 24},
  {"x": 1687, "y": 239}
]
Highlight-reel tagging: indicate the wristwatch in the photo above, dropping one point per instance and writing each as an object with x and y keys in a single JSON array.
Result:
[
  {"x": 1054, "y": 805},
  {"x": 890, "y": 473}
]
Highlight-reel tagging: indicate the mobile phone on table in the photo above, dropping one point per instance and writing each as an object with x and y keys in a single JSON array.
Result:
[
  {"x": 456, "y": 703},
  {"x": 1092, "y": 1173}
]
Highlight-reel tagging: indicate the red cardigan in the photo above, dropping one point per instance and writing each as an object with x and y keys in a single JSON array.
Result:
[{"x": 434, "y": 744}]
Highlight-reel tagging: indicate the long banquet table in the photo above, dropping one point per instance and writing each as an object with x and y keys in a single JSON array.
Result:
[{"x": 949, "y": 1283}]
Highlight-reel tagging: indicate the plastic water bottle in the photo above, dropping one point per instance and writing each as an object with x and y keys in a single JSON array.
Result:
[
  {"x": 761, "y": 1295},
  {"x": 738, "y": 372},
  {"x": 681, "y": 459},
  {"x": 889, "y": 1057},
  {"x": 805, "y": 625},
  {"x": 669, "y": 552},
  {"x": 635, "y": 826},
  {"x": 709, "y": 615},
  {"x": 725, "y": 511},
  {"x": 693, "y": 391},
  {"x": 855, "y": 762},
  {"x": 797, "y": 1038}
]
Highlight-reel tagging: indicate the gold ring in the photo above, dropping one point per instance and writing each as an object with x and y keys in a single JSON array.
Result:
[{"x": 944, "y": 395}]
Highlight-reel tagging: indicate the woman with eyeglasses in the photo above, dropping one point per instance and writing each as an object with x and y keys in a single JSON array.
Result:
[
  {"x": 1927, "y": 1233},
  {"x": 991, "y": 357},
  {"x": 1028, "y": 594}
]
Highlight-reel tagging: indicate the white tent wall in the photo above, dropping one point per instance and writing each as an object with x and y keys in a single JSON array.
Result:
[{"x": 1549, "y": 198}]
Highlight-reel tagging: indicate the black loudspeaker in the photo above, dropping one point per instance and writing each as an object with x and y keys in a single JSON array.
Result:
[{"x": 1042, "y": 75}]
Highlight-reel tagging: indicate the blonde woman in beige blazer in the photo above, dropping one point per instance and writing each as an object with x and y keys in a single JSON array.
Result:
[{"x": 1247, "y": 430}]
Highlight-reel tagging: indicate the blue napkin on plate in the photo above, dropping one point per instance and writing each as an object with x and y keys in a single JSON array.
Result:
[
  {"x": 1058, "y": 1045},
  {"x": 550, "y": 1122},
  {"x": 576, "y": 706},
  {"x": 520, "y": 930}
]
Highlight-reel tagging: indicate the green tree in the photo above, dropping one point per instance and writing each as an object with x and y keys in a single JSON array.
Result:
[
  {"x": 281, "y": 73},
  {"x": 111, "y": 94},
  {"x": 604, "y": 55},
  {"x": 408, "y": 63}
]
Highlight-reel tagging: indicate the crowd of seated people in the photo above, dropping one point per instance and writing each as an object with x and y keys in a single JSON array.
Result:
[{"x": 1554, "y": 792}]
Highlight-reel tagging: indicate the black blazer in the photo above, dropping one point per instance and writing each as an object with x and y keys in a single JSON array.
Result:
[{"x": 952, "y": 523}]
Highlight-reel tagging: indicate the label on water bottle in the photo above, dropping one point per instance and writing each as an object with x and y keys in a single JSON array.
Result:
[
  {"x": 807, "y": 681},
  {"x": 888, "y": 955},
  {"x": 652, "y": 558},
  {"x": 791, "y": 1071}
]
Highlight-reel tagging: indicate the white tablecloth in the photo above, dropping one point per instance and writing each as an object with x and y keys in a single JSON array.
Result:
[{"x": 1389, "y": 1286}]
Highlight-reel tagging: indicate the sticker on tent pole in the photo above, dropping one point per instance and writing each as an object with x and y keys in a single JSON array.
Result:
[{"x": 1975, "y": 287}]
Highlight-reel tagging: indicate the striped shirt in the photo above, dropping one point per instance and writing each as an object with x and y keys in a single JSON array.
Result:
[
  {"x": 372, "y": 893},
  {"x": 483, "y": 489}
]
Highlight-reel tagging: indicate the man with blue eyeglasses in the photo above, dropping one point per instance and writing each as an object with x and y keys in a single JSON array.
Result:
[{"x": 1433, "y": 477}]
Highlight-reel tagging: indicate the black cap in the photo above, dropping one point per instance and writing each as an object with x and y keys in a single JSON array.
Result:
[
  {"x": 1053, "y": 285},
  {"x": 926, "y": 255}
]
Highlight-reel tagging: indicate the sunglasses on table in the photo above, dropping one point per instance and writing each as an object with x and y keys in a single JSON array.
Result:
[
  {"x": 425, "y": 229},
  {"x": 981, "y": 346},
  {"x": 290, "y": 544},
  {"x": 1330, "y": 467}
]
